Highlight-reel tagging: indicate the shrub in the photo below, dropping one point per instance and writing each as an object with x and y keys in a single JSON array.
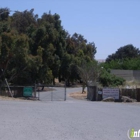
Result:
[{"x": 107, "y": 79}]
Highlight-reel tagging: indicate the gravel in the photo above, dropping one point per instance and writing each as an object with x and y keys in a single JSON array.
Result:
[{"x": 67, "y": 120}]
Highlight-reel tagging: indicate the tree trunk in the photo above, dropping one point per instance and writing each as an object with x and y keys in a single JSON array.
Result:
[
  {"x": 59, "y": 78},
  {"x": 53, "y": 81},
  {"x": 68, "y": 82},
  {"x": 83, "y": 88}
]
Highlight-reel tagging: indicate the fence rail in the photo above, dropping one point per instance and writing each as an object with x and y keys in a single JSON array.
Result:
[{"x": 42, "y": 92}]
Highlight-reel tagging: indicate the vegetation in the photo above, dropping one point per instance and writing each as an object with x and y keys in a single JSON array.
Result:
[
  {"x": 39, "y": 49},
  {"x": 125, "y": 52},
  {"x": 125, "y": 64},
  {"x": 109, "y": 80},
  {"x": 88, "y": 72},
  {"x": 125, "y": 58}
]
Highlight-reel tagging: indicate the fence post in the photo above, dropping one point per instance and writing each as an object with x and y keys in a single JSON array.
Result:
[
  {"x": 52, "y": 94},
  {"x": 38, "y": 95},
  {"x": 65, "y": 92},
  {"x": 0, "y": 90},
  {"x": 9, "y": 88},
  {"x": 35, "y": 90}
]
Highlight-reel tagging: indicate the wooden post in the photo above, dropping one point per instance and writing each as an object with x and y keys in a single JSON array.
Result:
[
  {"x": 9, "y": 88},
  {"x": 35, "y": 90}
]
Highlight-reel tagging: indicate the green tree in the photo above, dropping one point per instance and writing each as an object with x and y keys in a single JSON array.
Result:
[
  {"x": 4, "y": 13},
  {"x": 128, "y": 51},
  {"x": 15, "y": 57},
  {"x": 22, "y": 20},
  {"x": 39, "y": 49}
]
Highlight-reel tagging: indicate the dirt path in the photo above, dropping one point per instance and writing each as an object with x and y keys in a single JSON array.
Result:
[{"x": 78, "y": 95}]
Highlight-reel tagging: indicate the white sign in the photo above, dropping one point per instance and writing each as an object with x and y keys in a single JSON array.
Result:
[{"x": 111, "y": 92}]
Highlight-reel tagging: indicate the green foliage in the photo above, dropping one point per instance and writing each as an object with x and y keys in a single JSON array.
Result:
[
  {"x": 39, "y": 49},
  {"x": 22, "y": 20},
  {"x": 125, "y": 64},
  {"x": 4, "y": 13},
  {"x": 127, "y": 51},
  {"x": 109, "y": 80},
  {"x": 125, "y": 58}
]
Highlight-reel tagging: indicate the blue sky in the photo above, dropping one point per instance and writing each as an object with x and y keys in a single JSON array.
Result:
[{"x": 110, "y": 24}]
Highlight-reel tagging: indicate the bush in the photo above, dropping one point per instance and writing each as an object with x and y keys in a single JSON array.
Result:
[{"x": 107, "y": 79}]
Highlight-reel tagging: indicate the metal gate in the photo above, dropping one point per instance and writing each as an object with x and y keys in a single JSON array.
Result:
[
  {"x": 51, "y": 93},
  {"x": 40, "y": 92}
]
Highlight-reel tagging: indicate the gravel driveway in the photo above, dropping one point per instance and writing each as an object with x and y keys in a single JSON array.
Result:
[{"x": 67, "y": 120}]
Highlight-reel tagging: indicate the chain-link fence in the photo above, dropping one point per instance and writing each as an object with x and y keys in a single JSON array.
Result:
[
  {"x": 51, "y": 93},
  {"x": 38, "y": 92}
]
